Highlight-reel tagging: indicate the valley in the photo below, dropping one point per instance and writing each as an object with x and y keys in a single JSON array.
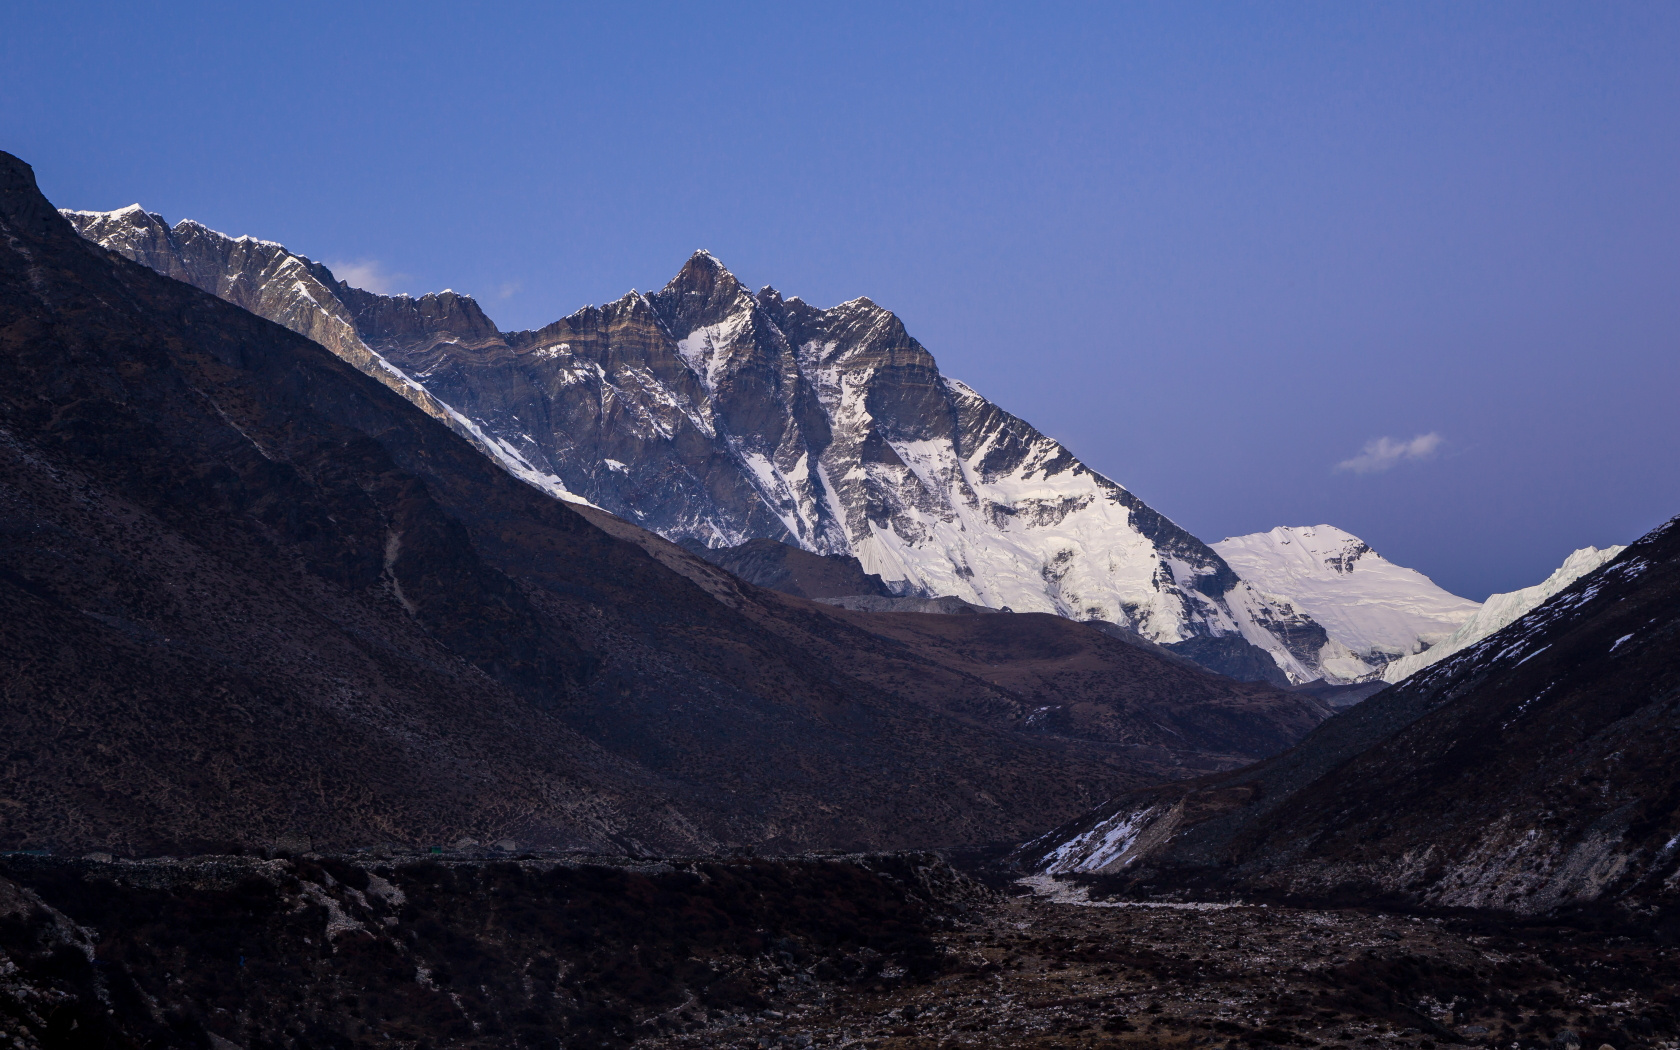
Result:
[
  {"x": 775, "y": 691},
  {"x": 521, "y": 949}
]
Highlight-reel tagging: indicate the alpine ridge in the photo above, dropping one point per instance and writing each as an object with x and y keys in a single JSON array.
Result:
[
  {"x": 712, "y": 415},
  {"x": 1502, "y": 609}
]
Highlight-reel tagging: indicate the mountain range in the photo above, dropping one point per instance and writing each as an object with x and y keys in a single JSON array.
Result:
[
  {"x": 252, "y": 594},
  {"x": 724, "y": 676},
  {"x": 715, "y": 416}
]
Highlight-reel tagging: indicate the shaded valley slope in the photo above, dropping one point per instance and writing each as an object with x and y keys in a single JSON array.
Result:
[{"x": 252, "y": 594}]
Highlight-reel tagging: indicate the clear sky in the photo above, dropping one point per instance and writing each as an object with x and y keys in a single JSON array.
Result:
[{"x": 1411, "y": 269}]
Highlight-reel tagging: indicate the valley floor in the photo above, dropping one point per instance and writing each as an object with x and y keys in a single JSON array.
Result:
[
  {"x": 402, "y": 950},
  {"x": 1044, "y": 971}
]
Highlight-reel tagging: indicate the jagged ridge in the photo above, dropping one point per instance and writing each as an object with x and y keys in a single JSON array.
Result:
[{"x": 707, "y": 413}]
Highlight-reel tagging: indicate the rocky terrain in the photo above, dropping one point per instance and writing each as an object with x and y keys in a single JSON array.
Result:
[
  {"x": 715, "y": 416},
  {"x": 460, "y": 949},
  {"x": 447, "y": 950},
  {"x": 251, "y": 593},
  {"x": 1530, "y": 772}
]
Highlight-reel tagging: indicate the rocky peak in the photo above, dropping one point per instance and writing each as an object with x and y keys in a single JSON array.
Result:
[{"x": 702, "y": 293}]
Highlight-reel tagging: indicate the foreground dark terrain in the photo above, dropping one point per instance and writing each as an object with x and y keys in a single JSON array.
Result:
[{"x": 459, "y": 950}]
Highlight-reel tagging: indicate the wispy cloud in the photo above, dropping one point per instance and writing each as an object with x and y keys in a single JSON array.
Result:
[
  {"x": 509, "y": 290},
  {"x": 369, "y": 275},
  {"x": 1385, "y": 452}
]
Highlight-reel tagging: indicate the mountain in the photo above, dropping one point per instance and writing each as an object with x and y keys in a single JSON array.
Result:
[
  {"x": 1377, "y": 610},
  {"x": 709, "y": 414},
  {"x": 1501, "y": 610},
  {"x": 1536, "y": 769},
  {"x": 250, "y": 594},
  {"x": 266, "y": 279},
  {"x": 780, "y": 567}
]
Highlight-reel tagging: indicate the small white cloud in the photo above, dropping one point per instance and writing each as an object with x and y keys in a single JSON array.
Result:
[
  {"x": 369, "y": 275},
  {"x": 1385, "y": 452},
  {"x": 509, "y": 290}
]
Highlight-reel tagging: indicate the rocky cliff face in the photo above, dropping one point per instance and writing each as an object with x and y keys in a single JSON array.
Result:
[
  {"x": 709, "y": 414},
  {"x": 1533, "y": 770}
]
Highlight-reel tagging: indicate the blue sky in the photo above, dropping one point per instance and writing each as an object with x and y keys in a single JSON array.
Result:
[{"x": 1409, "y": 269}]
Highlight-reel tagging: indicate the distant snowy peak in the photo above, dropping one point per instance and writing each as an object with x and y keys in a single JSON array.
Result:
[
  {"x": 1378, "y": 610},
  {"x": 1502, "y": 610}
]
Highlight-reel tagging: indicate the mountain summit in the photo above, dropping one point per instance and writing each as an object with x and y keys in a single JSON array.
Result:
[
  {"x": 1378, "y": 610},
  {"x": 709, "y": 414}
]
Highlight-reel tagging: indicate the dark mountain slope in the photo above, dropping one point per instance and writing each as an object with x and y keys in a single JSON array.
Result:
[
  {"x": 1537, "y": 769},
  {"x": 773, "y": 564},
  {"x": 1007, "y": 674},
  {"x": 1073, "y": 680},
  {"x": 251, "y": 590}
]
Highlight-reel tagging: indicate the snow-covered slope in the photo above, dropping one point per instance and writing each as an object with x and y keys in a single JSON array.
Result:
[
  {"x": 1501, "y": 610},
  {"x": 1378, "y": 610},
  {"x": 707, "y": 413}
]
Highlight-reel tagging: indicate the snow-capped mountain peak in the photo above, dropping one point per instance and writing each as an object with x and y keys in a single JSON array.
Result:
[{"x": 1378, "y": 610}]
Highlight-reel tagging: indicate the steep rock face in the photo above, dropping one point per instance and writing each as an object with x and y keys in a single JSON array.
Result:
[
  {"x": 1373, "y": 609},
  {"x": 1501, "y": 610},
  {"x": 706, "y": 413},
  {"x": 249, "y": 593},
  {"x": 1536, "y": 769}
]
